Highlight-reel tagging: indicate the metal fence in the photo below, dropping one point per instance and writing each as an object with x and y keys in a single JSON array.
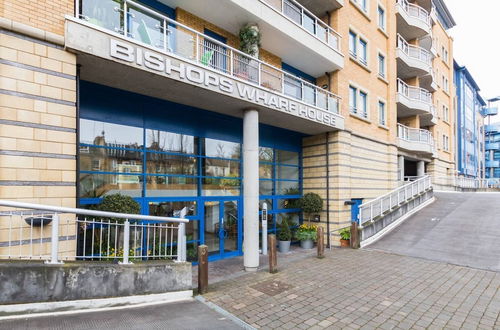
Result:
[
  {"x": 385, "y": 203},
  {"x": 415, "y": 52},
  {"x": 414, "y": 93},
  {"x": 144, "y": 25},
  {"x": 469, "y": 183},
  {"x": 54, "y": 234}
]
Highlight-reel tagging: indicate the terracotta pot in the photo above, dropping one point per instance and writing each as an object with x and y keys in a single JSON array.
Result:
[{"x": 345, "y": 243}]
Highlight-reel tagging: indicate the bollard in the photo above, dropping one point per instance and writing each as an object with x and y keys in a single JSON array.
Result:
[
  {"x": 321, "y": 242},
  {"x": 354, "y": 235},
  {"x": 202, "y": 269},
  {"x": 273, "y": 257}
]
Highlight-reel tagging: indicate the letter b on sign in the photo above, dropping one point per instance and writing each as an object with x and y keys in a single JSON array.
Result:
[{"x": 121, "y": 51}]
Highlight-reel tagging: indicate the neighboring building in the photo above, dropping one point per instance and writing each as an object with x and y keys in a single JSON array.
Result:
[
  {"x": 469, "y": 121},
  {"x": 492, "y": 146},
  {"x": 160, "y": 104}
]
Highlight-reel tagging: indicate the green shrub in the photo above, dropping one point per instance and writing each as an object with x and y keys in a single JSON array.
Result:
[
  {"x": 345, "y": 233},
  {"x": 118, "y": 203},
  {"x": 305, "y": 232},
  {"x": 285, "y": 234},
  {"x": 311, "y": 203}
]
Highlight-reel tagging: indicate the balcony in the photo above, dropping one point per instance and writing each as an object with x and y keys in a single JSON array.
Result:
[
  {"x": 492, "y": 145},
  {"x": 412, "y": 21},
  {"x": 320, "y": 7},
  {"x": 492, "y": 163},
  {"x": 288, "y": 29},
  {"x": 429, "y": 82},
  {"x": 490, "y": 111},
  {"x": 493, "y": 128},
  {"x": 159, "y": 57},
  {"x": 412, "y": 100},
  {"x": 413, "y": 61},
  {"x": 429, "y": 119},
  {"x": 415, "y": 140}
]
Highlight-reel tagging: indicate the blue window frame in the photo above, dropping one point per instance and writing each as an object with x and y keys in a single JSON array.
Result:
[{"x": 353, "y": 37}]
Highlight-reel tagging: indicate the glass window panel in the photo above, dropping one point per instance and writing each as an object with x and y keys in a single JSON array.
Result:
[
  {"x": 292, "y": 218},
  {"x": 287, "y": 157},
  {"x": 284, "y": 187},
  {"x": 265, "y": 171},
  {"x": 171, "y": 142},
  {"x": 98, "y": 185},
  {"x": 171, "y": 186},
  {"x": 110, "y": 160},
  {"x": 352, "y": 43},
  {"x": 265, "y": 187},
  {"x": 171, "y": 209},
  {"x": 363, "y": 51},
  {"x": 287, "y": 172},
  {"x": 111, "y": 135},
  {"x": 221, "y": 187},
  {"x": 269, "y": 203},
  {"x": 171, "y": 164},
  {"x": 290, "y": 203},
  {"x": 222, "y": 149},
  {"x": 221, "y": 167},
  {"x": 266, "y": 154}
]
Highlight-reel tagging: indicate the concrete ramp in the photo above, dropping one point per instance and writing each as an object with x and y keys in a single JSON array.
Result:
[{"x": 458, "y": 228}]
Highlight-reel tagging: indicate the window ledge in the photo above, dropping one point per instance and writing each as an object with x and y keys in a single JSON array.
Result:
[
  {"x": 361, "y": 10},
  {"x": 358, "y": 62},
  {"x": 383, "y": 79},
  {"x": 383, "y": 127},
  {"x": 384, "y": 32},
  {"x": 360, "y": 117}
]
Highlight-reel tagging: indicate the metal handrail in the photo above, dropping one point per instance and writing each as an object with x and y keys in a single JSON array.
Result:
[
  {"x": 415, "y": 11},
  {"x": 415, "y": 134},
  {"x": 380, "y": 205},
  {"x": 464, "y": 182},
  {"x": 255, "y": 71},
  {"x": 333, "y": 38},
  {"x": 413, "y": 92},
  {"x": 413, "y": 51}
]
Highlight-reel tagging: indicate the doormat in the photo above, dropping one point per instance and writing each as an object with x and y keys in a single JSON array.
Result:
[{"x": 272, "y": 287}]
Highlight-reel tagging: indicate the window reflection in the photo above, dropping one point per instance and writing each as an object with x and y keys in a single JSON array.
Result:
[
  {"x": 287, "y": 157},
  {"x": 171, "y": 186},
  {"x": 171, "y": 142},
  {"x": 265, "y": 187},
  {"x": 171, "y": 209},
  {"x": 287, "y": 172},
  {"x": 221, "y": 187},
  {"x": 266, "y": 154},
  {"x": 110, "y": 135},
  {"x": 221, "y": 167},
  {"x": 266, "y": 171},
  {"x": 98, "y": 185},
  {"x": 110, "y": 160},
  {"x": 221, "y": 149},
  {"x": 171, "y": 164}
]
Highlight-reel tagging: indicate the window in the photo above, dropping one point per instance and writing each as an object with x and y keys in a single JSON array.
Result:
[
  {"x": 358, "y": 102},
  {"x": 363, "y": 108},
  {"x": 353, "y": 43},
  {"x": 445, "y": 86},
  {"x": 381, "y": 18},
  {"x": 353, "y": 92},
  {"x": 381, "y": 113},
  {"x": 446, "y": 113},
  {"x": 363, "y": 51},
  {"x": 446, "y": 143},
  {"x": 444, "y": 54},
  {"x": 381, "y": 65},
  {"x": 362, "y": 4}
]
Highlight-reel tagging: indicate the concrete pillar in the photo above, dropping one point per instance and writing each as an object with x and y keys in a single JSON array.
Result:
[
  {"x": 420, "y": 168},
  {"x": 401, "y": 168},
  {"x": 251, "y": 189}
]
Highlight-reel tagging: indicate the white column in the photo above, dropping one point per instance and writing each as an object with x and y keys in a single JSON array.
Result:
[
  {"x": 251, "y": 189},
  {"x": 401, "y": 168},
  {"x": 420, "y": 168}
]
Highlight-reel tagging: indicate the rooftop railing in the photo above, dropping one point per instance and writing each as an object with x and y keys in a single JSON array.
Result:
[
  {"x": 414, "y": 93},
  {"x": 415, "y": 11},
  {"x": 146, "y": 26},
  {"x": 54, "y": 234},
  {"x": 415, "y": 52},
  {"x": 415, "y": 135},
  {"x": 298, "y": 14}
]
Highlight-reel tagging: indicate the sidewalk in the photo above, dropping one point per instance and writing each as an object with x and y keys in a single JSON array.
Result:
[{"x": 353, "y": 289}]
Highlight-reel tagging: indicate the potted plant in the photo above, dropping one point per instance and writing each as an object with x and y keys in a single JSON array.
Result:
[
  {"x": 284, "y": 235},
  {"x": 345, "y": 237},
  {"x": 310, "y": 203}
]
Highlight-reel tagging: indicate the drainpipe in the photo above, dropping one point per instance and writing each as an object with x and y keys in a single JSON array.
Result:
[{"x": 327, "y": 151}]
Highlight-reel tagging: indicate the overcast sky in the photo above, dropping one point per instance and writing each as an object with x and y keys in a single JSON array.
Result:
[{"x": 477, "y": 41}]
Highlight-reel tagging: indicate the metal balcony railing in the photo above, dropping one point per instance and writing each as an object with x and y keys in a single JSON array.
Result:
[
  {"x": 298, "y": 14},
  {"x": 53, "y": 234},
  {"x": 415, "y": 52},
  {"x": 415, "y": 11},
  {"x": 144, "y": 25},
  {"x": 384, "y": 204},
  {"x": 415, "y": 135},
  {"x": 463, "y": 182},
  {"x": 414, "y": 93}
]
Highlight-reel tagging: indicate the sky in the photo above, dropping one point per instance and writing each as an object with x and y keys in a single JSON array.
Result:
[{"x": 477, "y": 42}]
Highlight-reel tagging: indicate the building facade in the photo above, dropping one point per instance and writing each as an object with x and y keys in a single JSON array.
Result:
[
  {"x": 492, "y": 147},
  {"x": 162, "y": 101},
  {"x": 470, "y": 124}
]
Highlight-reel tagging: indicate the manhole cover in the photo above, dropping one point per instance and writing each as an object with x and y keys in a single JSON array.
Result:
[{"x": 272, "y": 287}]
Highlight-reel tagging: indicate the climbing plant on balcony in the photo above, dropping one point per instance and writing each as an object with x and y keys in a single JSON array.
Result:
[{"x": 250, "y": 39}]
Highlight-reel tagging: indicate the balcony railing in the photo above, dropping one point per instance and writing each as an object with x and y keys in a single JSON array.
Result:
[
  {"x": 415, "y": 52},
  {"x": 296, "y": 13},
  {"x": 415, "y": 135},
  {"x": 146, "y": 26},
  {"x": 415, "y": 11},
  {"x": 414, "y": 93}
]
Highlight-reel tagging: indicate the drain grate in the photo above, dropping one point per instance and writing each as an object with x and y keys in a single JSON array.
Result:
[{"x": 272, "y": 287}]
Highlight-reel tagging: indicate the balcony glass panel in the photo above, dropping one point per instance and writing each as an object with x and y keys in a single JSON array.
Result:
[
  {"x": 293, "y": 87},
  {"x": 104, "y": 13},
  {"x": 292, "y": 11}
]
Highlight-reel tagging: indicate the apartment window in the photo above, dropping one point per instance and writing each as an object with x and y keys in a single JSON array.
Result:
[
  {"x": 363, "y": 4},
  {"x": 353, "y": 99},
  {"x": 446, "y": 88},
  {"x": 381, "y": 65},
  {"x": 363, "y": 51},
  {"x": 381, "y": 18},
  {"x": 444, "y": 54},
  {"x": 363, "y": 106},
  {"x": 353, "y": 39},
  {"x": 446, "y": 143},
  {"x": 381, "y": 113},
  {"x": 446, "y": 113}
]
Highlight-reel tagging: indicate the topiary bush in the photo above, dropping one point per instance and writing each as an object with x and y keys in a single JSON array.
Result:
[
  {"x": 311, "y": 203},
  {"x": 118, "y": 203},
  {"x": 285, "y": 234}
]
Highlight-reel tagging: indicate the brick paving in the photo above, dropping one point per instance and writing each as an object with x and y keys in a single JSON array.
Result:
[{"x": 360, "y": 289}]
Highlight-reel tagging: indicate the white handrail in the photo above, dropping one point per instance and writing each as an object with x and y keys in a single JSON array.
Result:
[
  {"x": 415, "y": 11},
  {"x": 415, "y": 134},
  {"x": 413, "y": 92},
  {"x": 464, "y": 182},
  {"x": 413, "y": 51},
  {"x": 224, "y": 58},
  {"x": 383, "y": 204}
]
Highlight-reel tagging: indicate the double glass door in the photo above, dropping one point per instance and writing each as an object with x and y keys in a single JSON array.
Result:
[{"x": 222, "y": 232}]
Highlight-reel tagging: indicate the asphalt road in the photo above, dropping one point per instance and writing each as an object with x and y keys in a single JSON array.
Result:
[
  {"x": 181, "y": 315},
  {"x": 458, "y": 228}
]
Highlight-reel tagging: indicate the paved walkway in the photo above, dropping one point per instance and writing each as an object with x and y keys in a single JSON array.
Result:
[
  {"x": 458, "y": 228},
  {"x": 354, "y": 289}
]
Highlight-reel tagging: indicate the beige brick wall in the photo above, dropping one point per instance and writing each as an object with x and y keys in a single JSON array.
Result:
[{"x": 47, "y": 15}]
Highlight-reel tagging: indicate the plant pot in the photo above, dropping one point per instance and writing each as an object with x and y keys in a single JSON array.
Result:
[
  {"x": 37, "y": 221},
  {"x": 307, "y": 244},
  {"x": 284, "y": 246},
  {"x": 345, "y": 243}
]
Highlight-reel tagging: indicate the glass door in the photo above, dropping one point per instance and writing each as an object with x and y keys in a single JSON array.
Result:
[{"x": 221, "y": 227}]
